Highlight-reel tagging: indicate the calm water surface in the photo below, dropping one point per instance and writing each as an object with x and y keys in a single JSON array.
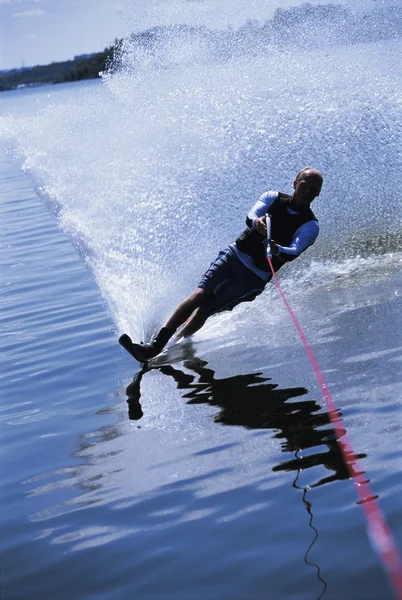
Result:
[{"x": 216, "y": 474}]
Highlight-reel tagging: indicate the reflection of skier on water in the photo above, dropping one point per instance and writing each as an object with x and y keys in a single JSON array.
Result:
[
  {"x": 253, "y": 402},
  {"x": 241, "y": 272}
]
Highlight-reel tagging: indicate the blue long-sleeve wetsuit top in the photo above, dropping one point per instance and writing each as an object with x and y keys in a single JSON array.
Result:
[{"x": 304, "y": 236}]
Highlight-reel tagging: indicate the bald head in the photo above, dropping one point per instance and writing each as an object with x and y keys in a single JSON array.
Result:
[
  {"x": 307, "y": 186},
  {"x": 310, "y": 172}
]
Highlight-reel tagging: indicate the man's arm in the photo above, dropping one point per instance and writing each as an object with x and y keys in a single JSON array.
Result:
[
  {"x": 304, "y": 237},
  {"x": 256, "y": 217}
]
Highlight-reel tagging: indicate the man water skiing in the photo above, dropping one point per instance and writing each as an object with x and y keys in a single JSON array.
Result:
[{"x": 241, "y": 271}]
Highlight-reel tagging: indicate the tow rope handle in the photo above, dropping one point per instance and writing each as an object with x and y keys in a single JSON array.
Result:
[
  {"x": 268, "y": 222},
  {"x": 377, "y": 528}
]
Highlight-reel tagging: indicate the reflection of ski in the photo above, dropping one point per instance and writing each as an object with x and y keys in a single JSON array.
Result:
[{"x": 133, "y": 396}]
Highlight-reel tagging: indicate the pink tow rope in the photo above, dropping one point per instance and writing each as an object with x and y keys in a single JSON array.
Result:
[{"x": 378, "y": 531}]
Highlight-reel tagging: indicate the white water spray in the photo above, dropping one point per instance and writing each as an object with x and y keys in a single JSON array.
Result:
[{"x": 152, "y": 171}]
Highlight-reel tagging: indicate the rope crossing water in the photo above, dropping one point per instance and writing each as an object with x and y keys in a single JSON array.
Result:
[{"x": 379, "y": 533}]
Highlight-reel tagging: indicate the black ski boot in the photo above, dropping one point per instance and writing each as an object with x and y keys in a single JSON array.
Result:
[{"x": 144, "y": 352}]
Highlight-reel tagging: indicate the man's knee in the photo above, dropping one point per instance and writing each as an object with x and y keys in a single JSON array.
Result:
[{"x": 200, "y": 297}]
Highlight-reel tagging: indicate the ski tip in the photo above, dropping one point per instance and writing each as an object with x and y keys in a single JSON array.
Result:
[{"x": 126, "y": 342}]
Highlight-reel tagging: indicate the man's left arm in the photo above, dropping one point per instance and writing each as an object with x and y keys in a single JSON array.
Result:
[{"x": 304, "y": 237}]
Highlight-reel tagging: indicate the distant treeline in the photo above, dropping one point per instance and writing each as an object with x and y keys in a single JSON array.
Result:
[
  {"x": 305, "y": 26},
  {"x": 87, "y": 67}
]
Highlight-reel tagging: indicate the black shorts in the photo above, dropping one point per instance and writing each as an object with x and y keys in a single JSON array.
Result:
[{"x": 231, "y": 282}]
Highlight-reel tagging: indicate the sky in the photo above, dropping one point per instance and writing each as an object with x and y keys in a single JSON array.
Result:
[{"x": 36, "y": 32}]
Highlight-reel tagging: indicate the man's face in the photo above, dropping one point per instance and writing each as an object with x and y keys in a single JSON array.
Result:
[{"x": 307, "y": 187}]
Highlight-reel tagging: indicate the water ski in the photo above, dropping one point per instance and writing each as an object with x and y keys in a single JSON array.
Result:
[
  {"x": 133, "y": 349},
  {"x": 178, "y": 351}
]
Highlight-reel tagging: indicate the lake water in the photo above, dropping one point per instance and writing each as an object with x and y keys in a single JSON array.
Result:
[{"x": 216, "y": 474}]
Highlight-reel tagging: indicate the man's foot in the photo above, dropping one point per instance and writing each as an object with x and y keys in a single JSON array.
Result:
[
  {"x": 144, "y": 352},
  {"x": 141, "y": 352}
]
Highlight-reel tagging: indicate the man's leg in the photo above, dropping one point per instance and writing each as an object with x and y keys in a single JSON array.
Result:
[
  {"x": 241, "y": 285},
  {"x": 219, "y": 276},
  {"x": 194, "y": 323},
  {"x": 186, "y": 308},
  {"x": 218, "y": 273},
  {"x": 144, "y": 352}
]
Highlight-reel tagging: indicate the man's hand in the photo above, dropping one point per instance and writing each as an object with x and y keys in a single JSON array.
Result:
[
  {"x": 274, "y": 248},
  {"x": 260, "y": 225}
]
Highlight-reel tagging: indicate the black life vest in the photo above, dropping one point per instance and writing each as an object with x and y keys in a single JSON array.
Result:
[{"x": 283, "y": 227}]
